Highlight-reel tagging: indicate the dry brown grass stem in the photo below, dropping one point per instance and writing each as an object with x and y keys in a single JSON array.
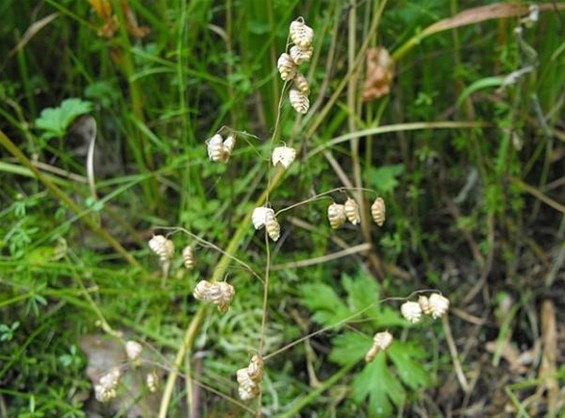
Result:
[{"x": 324, "y": 259}]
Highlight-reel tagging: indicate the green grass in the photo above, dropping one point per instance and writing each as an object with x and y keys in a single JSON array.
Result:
[{"x": 468, "y": 167}]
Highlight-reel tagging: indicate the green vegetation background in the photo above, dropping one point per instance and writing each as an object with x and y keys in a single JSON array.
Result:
[{"x": 475, "y": 209}]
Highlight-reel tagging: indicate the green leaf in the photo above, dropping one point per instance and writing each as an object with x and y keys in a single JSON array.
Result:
[
  {"x": 404, "y": 356},
  {"x": 384, "y": 179},
  {"x": 349, "y": 348},
  {"x": 361, "y": 293},
  {"x": 379, "y": 384},
  {"x": 327, "y": 306},
  {"x": 55, "y": 121}
]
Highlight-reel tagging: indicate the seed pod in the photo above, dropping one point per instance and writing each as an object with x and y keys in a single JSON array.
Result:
[
  {"x": 301, "y": 83},
  {"x": 438, "y": 305},
  {"x": 227, "y": 292},
  {"x": 298, "y": 100},
  {"x": 256, "y": 368},
  {"x": 249, "y": 378},
  {"x": 272, "y": 225},
  {"x": 152, "y": 382},
  {"x": 202, "y": 290},
  {"x": 229, "y": 143},
  {"x": 162, "y": 246},
  {"x": 378, "y": 211},
  {"x": 371, "y": 354},
  {"x": 283, "y": 156},
  {"x": 286, "y": 66},
  {"x": 424, "y": 303},
  {"x": 133, "y": 350},
  {"x": 188, "y": 257},
  {"x": 336, "y": 215},
  {"x": 259, "y": 216},
  {"x": 301, "y": 34},
  {"x": 301, "y": 54},
  {"x": 383, "y": 340},
  {"x": 215, "y": 148},
  {"x": 352, "y": 211},
  {"x": 411, "y": 311}
]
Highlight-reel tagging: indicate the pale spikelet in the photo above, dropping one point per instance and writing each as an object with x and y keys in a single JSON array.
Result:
[
  {"x": 283, "y": 156},
  {"x": 286, "y": 66},
  {"x": 301, "y": 54},
  {"x": 336, "y": 215},
  {"x": 152, "y": 382},
  {"x": 381, "y": 341},
  {"x": 133, "y": 350},
  {"x": 301, "y": 34},
  {"x": 220, "y": 294},
  {"x": 215, "y": 148},
  {"x": 438, "y": 305},
  {"x": 188, "y": 257},
  {"x": 105, "y": 390},
  {"x": 162, "y": 246},
  {"x": 273, "y": 227},
  {"x": 301, "y": 83},
  {"x": 249, "y": 378},
  {"x": 220, "y": 150},
  {"x": 378, "y": 211},
  {"x": 259, "y": 216},
  {"x": 352, "y": 211},
  {"x": 229, "y": 144},
  {"x": 411, "y": 311},
  {"x": 424, "y": 303},
  {"x": 298, "y": 100}
]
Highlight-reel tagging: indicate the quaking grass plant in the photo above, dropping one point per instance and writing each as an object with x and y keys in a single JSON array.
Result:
[{"x": 239, "y": 350}]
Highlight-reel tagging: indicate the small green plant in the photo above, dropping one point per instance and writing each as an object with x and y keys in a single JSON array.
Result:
[{"x": 54, "y": 121}]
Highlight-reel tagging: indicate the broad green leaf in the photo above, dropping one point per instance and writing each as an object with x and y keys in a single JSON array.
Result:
[
  {"x": 408, "y": 359},
  {"x": 384, "y": 179},
  {"x": 55, "y": 120},
  {"x": 350, "y": 348},
  {"x": 362, "y": 291},
  {"x": 327, "y": 306},
  {"x": 380, "y": 385}
]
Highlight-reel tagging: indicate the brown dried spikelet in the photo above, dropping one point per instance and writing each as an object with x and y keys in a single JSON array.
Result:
[
  {"x": 301, "y": 83},
  {"x": 380, "y": 73},
  {"x": 301, "y": 55},
  {"x": 336, "y": 215},
  {"x": 378, "y": 211},
  {"x": 381, "y": 341},
  {"x": 301, "y": 34},
  {"x": 352, "y": 211},
  {"x": 286, "y": 66},
  {"x": 298, "y": 100},
  {"x": 188, "y": 257}
]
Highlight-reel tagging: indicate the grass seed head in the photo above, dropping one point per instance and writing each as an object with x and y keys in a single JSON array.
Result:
[
  {"x": 411, "y": 311},
  {"x": 299, "y": 101},
  {"x": 378, "y": 211},
  {"x": 301, "y": 34},
  {"x": 301, "y": 83},
  {"x": 152, "y": 382},
  {"x": 133, "y": 350},
  {"x": 301, "y": 55},
  {"x": 438, "y": 305},
  {"x": 259, "y": 216},
  {"x": 336, "y": 215},
  {"x": 352, "y": 211},
  {"x": 272, "y": 225},
  {"x": 283, "y": 156},
  {"x": 286, "y": 66},
  {"x": 162, "y": 246},
  {"x": 188, "y": 257}
]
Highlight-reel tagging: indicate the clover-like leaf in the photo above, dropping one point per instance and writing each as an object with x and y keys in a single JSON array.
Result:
[
  {"x": 327, "y": 306},
  {"x": 55, "y": 120}
]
